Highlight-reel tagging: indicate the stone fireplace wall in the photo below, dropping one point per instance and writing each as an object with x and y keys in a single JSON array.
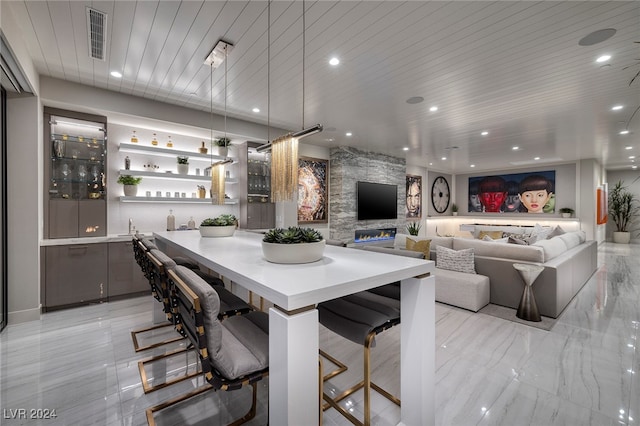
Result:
[{"x": 350, "y": 165}]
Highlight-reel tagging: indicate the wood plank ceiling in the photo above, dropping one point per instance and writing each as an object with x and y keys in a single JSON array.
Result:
[{"x": 513, "y": 69}]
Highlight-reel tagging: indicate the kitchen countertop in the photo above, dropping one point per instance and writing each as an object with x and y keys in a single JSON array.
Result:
[{"x": 111, "y": 238}]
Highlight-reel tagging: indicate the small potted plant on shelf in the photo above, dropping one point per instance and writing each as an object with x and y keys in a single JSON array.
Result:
[
  {"x": 130, "y": 184},
  {"x": 624, "y": 210},
  {"x": 183, "y": 164},
  {"x": 223, "y": 146},
  {"x": 221, "y": 226},
  {"x": 454, "y": 209},
  {"x": 566, "y": 212},
  {"x": 293, "y": 245},
  {"x": 414, "y": 228}
]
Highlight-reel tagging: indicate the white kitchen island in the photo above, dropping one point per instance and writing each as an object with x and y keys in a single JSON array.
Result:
[{"x": 293, "y": 322}]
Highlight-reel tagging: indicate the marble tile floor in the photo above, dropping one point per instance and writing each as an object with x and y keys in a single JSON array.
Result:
[{"x": 81, "y": 363}]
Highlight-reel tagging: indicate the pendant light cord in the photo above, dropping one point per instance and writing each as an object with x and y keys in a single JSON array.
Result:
[
  {"x": 211, "y": 110},
  {"x": 269, "y": 72},
  {"x": 226, "y": 50}
]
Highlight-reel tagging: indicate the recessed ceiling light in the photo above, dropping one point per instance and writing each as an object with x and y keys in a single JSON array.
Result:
[
  {"x": 433, "y": 108},
  {"x": 348, "y": 134},
  {"x": 634, "y": 167},
  {"x": 617, "y": 108},
  {"x": 485, "y": 133},
  {"x": 444, "y": 158},
  {"x": 256, "y": 110},
  {"x": 603, "y": 58},
  {"x": 473, "y": 165},
  {"x": 624, "y": 132},
  {"x": 515, "y": 148},
  {"x": 116, "y": 74},
  {"x": 334, "y": 61},
  {"x": 536, "y": 158},
  {"x": 415, "y": 100},
  {"x": 628, "y": 147},
  {"x": 631, "y": 157},
  {"x": 431, "y": 164},
  {"x": 406, "y": 148}
]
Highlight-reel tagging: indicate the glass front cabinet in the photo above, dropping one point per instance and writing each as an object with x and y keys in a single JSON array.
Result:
[{"x": 75, "y": 168}]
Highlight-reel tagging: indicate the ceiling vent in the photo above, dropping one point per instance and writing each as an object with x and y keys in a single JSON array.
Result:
[{"x": 97, "y": 27}]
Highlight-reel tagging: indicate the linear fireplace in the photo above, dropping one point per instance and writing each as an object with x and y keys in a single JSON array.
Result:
[{"x": 375, "y": 235}]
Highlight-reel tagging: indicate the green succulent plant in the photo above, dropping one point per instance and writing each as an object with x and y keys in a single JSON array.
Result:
[
  {"x": 222, "y": 220},
  {"x": 183, "y": 159},
  {"x": 223, "y": 142},
  {"x": 292, "y": 235},
  {"x": 129, "y": 180},
  {"x": 413, "y": 228}
]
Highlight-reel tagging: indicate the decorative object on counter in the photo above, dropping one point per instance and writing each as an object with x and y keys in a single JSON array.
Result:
[
  {"x": 58, "y": 148},
  {"x": 148, "y": 193},
  {"x": 414, "y": 228},
  {"x": 191, "y": 224},
  {"x": 454, "y": 209},
  {"x": 203, "y": 149},
  {"x": 624, "y": 210},
  {"x": 183, "y": 165},
  {"x": 221, "y": 226},
  {"x": 197, "y": 171},
  {"x": 158, "y": 193},
  {"x": 293, "y": 245},
  {"x": 171, "y": 221},
  {"x": 130, "y": 184},
  {"x": 223, "y": 146},
  {"x": 154, "y": 141},
  {"x": 566, "y": 211},
  {"x": 80, "y": 138},
  {"x": 169, "y": 142},
  {"x": 150, "y": 167},
  {"x": 202, "y": 193},
  {"x": 127, "y": 163}
]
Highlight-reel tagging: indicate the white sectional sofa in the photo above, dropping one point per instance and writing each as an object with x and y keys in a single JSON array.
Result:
[{"x": 568, "y": 259}]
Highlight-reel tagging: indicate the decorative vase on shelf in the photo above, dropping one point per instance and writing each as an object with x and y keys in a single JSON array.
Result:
[
  {"x": 183, "y": 169},
  {"x": 203, "y": 149},
  {"x": 130, "y": 190}
]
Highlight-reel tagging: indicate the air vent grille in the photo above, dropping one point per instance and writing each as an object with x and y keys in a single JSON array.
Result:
[{"x": 97, "y": 27}]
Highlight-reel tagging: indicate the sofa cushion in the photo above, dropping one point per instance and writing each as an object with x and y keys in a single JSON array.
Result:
[
  {"x": 455, "y": 260},
  {"x": 506, "y": 251},
  {"x": 467, "y": 291},
  {"x": 552, "y": 248},
  {"x": 400, "y": 241},
  {"x": 495, "y": 240},
  {"x": 571, "y": 239},
  {"x": 422, "y": 246},
  {"x": 556, "y": 231},
  {"x": 540, "y": 232}
]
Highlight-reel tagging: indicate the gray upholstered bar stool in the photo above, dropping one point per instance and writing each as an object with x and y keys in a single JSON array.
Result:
[{"x": 233, "y": 352}]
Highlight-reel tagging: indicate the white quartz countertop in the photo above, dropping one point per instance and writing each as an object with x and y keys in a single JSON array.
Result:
[
  {"x": 340, "y": 272},
  {"x": 111, "y": 238}
]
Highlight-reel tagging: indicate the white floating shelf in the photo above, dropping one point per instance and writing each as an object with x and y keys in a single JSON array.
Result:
[
  {"x": 167, "y": 152},
  {"x": 126, "y": 199},
  {"x": 172, "y": 176}
]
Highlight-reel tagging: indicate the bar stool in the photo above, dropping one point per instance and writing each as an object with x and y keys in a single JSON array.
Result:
[{"x": 233, "y": 353}]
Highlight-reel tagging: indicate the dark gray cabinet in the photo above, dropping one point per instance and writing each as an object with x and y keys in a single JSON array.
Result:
[
  {"x": 75, "y": 274},
  {"x": 125, "y": 276},
  {"x": 261, "y": 215}
]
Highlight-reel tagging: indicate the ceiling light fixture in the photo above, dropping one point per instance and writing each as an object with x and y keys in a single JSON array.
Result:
[
  {"x": 634, "y": 167},
  {"x": 616, "y": 107},
  {"x": 603, "y": 58},
  {"x": 472, "y": 166},
  {"x": 334, "y": 61},
  {"x": 628, "y": 147},
  {"x": 256, "y": 110},
  {"x": 116, "y": 74},
  {"x": 444, "y": 158},
  {"x": 217, "y": 57},
  {"x": 406, "y": 148},
  {"x": 624, "y": 132},
  {"x": 348, "y": 134},
  {"x": 485, "y": 133},
  {"x": 433, "y": 108},
  {"x": 536, "y": 158},
  {"x": 631, "y": 157},
  {"x": 515, "y": 148}
]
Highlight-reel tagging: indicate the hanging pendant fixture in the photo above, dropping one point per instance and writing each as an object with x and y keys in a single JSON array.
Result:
[{"x": 217, "y": 57}]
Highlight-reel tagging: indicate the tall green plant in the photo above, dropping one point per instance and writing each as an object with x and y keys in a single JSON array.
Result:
[{"x": 623, "y": 207}]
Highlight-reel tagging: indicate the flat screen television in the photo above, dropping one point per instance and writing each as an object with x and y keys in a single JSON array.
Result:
[{"x": 377, "y": 201}]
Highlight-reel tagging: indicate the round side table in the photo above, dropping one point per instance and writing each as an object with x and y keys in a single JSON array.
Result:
[{"x": 528, "y": 309}]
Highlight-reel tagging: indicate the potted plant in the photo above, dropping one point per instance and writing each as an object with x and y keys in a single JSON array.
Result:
[
  {"x": 624, "y": 210},
  {"x": 454, "y": 209},
  {"x": 130, "y": 184},
  {"x": 414, "y": 228},
  {"x": 223, "y": 146},
  {"x": 293, "y": 245},
  {"x": 183, "y": 165},
  {"x": 566, "y": 211},
  {"x": 221, "y": 226}
]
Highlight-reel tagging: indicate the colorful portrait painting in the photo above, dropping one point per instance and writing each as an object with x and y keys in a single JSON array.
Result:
[
  {"x": 413, "y": 205},
  {"x": 513, "y": 193},
  {"x": 312, "y": 190}
]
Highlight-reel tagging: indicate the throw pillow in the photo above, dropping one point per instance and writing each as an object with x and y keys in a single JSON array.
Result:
[
  {"x": 422, "y": 246},
  {"x": 539, "y": 232},
  {"x": 556, "y": 231},
  {"x": 520, "y": 241},
  {"x": 494, "y": 235},
  {"x": 452, "y": 260},
  {"x": 497, "y": 240}
]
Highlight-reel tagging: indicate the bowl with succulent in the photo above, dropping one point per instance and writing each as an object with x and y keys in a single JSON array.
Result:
[
  {"x": 293, "y": 245},
  {"x": 221, "y": 226}
]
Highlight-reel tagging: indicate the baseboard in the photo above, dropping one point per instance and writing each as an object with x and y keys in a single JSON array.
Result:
[{"x": 26, "y": 315}]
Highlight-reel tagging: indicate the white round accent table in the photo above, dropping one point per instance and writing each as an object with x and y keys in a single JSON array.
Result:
[{"x": 528, "y": 309}]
